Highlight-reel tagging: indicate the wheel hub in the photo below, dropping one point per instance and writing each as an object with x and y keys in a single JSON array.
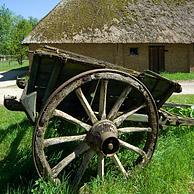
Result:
[{"x": 103, "y": 137}]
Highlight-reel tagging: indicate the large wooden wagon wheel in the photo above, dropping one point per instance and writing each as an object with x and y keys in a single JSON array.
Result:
[{"x": 84, "y": 125}]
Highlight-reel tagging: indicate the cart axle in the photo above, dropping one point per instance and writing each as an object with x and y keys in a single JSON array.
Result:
[{"x": 103, "y": 138}]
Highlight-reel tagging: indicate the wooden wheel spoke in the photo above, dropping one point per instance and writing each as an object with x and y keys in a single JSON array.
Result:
[
  {"x": 134, "y": 149},
  {"x": 102, "y": 103},
  {"x": 138, "y": 118},
  {"x": 84, "y": 165},
  {"x": 63, "y": 163},
  {"x": 59, "y": 140},
  {"x": 86, "y": 105},
  {"x": 101, "y": 166},
  {"x": 118, "y": 121},
  {"x": 120, "y": 166},
  {"x": 93, "y": 95},
  {"x": 119, "y": 102},
  {"x": 71, "y": 119},
  {"x": 135, "y": 129}
]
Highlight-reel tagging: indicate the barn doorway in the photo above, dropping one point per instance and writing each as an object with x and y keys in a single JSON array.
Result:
[{"x": 157, "y": 58}]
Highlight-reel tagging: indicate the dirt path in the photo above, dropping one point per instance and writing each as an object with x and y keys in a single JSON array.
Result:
[
  {"x": 9, "y": 90},
  {"x": 8, "y": 84},
  {"x": 187, "y": 87}
]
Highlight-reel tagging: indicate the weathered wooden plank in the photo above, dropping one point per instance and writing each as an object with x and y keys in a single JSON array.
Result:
[
  {"x": 59, "y": 140},
  {"x": 84, "y": 165},
  {"x": 101, "y": 165},
  {"x": 86, "y": 106},
  {"x": 103, "y": 96},
  {"x": 117, "y": 105},
  {"x": 119, "y": 164},
  {"x": 118, "y": 121},
  {"x": 71, "y": 119},
  {"x": 134, "y": 129},
  {"x": 63, "y": 163},
  {"x": 134, "y": 149}
]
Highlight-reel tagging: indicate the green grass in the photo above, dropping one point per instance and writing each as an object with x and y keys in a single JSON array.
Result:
[
  {"x": 171, "y": 169},
  {"x": 169, "y": 172},
  {"x": 178, "y": 76},
  {"x": 183, "y": 99},
  {"x": 6, "y": 66},
  {"x": 16, "y": 167}
]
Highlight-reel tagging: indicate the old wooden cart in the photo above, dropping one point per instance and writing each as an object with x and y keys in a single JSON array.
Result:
[{"x": 91, "y": 115}]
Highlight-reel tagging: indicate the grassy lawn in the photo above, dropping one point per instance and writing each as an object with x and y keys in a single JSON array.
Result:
[
  {"x": 6, "y": 66},
  {"x": 183, "y": 99},
  {"x": 170, "y": 171},
  {"x": 178, "y": 76}
]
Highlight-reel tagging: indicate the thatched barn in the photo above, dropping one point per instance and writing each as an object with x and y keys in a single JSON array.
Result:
[{"x": 139, "y": 34}]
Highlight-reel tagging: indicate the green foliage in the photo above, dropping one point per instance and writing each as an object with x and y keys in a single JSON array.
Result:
[
  {"x": 49, "y": 187},
  {"x": 183, "y": 112},
  {"x": 22, "y": 28},
  {"x": 6, "y": 28},
  {"x": 32, "y": 21},
  {"x": 13, "y": 29}
]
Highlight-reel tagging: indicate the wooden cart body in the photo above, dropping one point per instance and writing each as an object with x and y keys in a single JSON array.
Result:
[
  {"x": 95, "y": 96},
  {"x": 52, "y": 67}
]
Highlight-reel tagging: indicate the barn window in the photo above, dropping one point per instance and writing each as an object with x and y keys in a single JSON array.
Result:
[{"x": 133, "y": 51}]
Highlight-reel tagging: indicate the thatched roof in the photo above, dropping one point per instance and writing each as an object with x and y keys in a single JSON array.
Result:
[{"x": 117, "y": 21}]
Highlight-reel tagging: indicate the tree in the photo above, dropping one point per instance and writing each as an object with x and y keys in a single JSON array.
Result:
[
  {"x": 22, "y": 28},
  {"x": 13, "y": 29},
  {"x": 6, "y": 28},
  {"x": 33, "y": 21}
]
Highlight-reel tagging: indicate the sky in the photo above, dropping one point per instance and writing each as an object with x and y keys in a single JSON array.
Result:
[{"x": 27, "y": 8}]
